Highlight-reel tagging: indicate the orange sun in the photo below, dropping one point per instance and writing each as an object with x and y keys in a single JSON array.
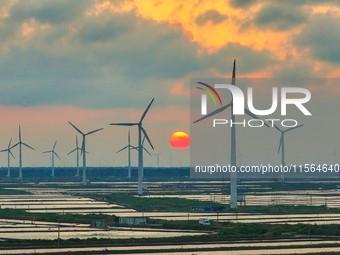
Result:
[{"x": 180, "y": 140}]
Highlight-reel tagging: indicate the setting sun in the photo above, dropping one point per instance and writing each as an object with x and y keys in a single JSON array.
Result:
[{"x": 180, "y": 140}]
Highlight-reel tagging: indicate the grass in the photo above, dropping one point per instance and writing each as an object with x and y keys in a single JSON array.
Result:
[
  {"x": 13, "y": 192},
  {"x": 154, "y": 204},
  {"x": 54, "y": 217}
]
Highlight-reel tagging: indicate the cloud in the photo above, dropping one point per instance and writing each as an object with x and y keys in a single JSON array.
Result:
[
  {"x": 111, "y": 59},
  {"x": 210, "y": 15},
  {"x": 242, "y": 3},
  {"x": 280, "y": 17},
  {"x": 322, "y": 37}
]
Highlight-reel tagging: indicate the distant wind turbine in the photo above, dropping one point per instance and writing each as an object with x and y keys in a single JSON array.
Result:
[
  {"x": 20, "y": 143},
  {"x": 282, "y": 145},
  {"x": 53, "y": 153},
  {"x": 170, "y": 159},
  {"x": 129, "y": 147},
  {"x": 334, "y": 155},
  {"x": 9, "y": 154},
  {"x": 157, "y": 157},
  {"x": 233, "y": 176},
  {"x": 140, "y": 146},
  {"x": 83, "y": 149},
  {"x": 77, "y": 149}
]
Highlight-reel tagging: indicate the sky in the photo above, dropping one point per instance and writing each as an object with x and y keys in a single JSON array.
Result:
[{"x": 95, "y": 62}]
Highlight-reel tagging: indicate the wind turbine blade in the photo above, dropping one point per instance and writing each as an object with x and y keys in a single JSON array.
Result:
[
  {"x": 147, "y": 137},
  {"x": 4, "y": 150},
  {"x": 9, "y": 145},
  {"x": 147, "y": 109},
  {"x": 56, "y": 154},
  {"x": 214, "y": 112},
  {"x": 87, "y": 152},
  {"x": 122, "y": 149},
  {"x": 19, "y": 134},
  {"x": 28, "y": 146},
  {"x": 77, "y": 141},
  {"x": 46, "y": 151},
  {"x": 14, "y": 146},
  {"x": 160, "y": 152},
  {"x": 76, "y": 128},
  {"x": 135, "y": 148},
  {"x": 71, "y": 151},
  {"x": 280, "y": 143},
  {"x": 147, "y": 151},
  {"x": 253, "y": 115},
  {"x": 275, "y": 125},
  {"x": 82, "y": 148},
  {"x": 11, "y": 153},
  {"x": 293, "y": 128},
  {"x": 143, "y": 140},
  {"x": 129, "y": 137},
  {"x": 54, "y": 145},
  {"x": 94, "y": 131},
  {"x": 124, "y": 124}
]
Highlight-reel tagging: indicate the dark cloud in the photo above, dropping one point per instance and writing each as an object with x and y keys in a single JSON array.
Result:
[
  {"x": 322, "y": 36},
  {"x": 242, "y": 3},
  {"x": 248, "y": 59},
  {"x": 51, "y": 11},
  {"x": 280, "y": 17},
  {"x": 210, "y": 15},
  {"x": 107, "y": 60}
]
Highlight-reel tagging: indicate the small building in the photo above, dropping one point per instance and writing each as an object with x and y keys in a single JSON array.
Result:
[
  {"x": 99, "y": 224},
  {"x": 131, "y": 220}
]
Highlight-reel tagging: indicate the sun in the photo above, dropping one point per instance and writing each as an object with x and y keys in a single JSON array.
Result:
[{"x": 180, "y": 140}]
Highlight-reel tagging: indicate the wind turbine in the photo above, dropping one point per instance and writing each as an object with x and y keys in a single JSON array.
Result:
[
  {"x": 282, "y": 145},
  {"x": 83, "y": 149},
  {"x": 53, "y": 153},
  {"x": 77, "y": 149},
  {"x": 136, "y": 148},
  {"x": 140, "y": 146},
  {"x": 170, "y": 159},
  {"x": 233, "y": 176},
  {"x": 129, "y": 147},
  {"x": 157, "y": 157},
  {"x": 9, "y": 154},
  {"x": 334, "y": 155},
  {"x": 20, "y": 143}
]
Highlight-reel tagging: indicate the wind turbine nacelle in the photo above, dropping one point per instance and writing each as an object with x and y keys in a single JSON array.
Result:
[{"x": 238, "y": 100}]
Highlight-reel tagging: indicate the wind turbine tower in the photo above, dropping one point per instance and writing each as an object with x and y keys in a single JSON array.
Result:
[
  {"x": 83, "y": 149},
  {"x": 233, "y": 176},
  {"x": 9, "y": 154},
  {"x": 140, "y": 145},
  {"x": 77, "y": 149},
  {"x": 129, "y": 147},
  {"x": 53, "y": 153},
  {"x": 20, "y": 143}
]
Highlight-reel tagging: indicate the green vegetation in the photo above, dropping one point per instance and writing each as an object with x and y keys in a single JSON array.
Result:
[
  {"x": 13, "y": 192},
  {"x": 166, "y": 204},
  {"x": 54, "y": 217},
  {"x": 285, "y": 209}
]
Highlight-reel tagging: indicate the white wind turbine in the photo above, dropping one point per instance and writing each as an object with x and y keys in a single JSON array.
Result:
[
  {"x": 77, "y": 149},
  {"x": 129, "y": 147},
  {"x": 20, "y": 143},
  {"x": 157, "y": 157},
  {"x": 9, "y": 154},
  {"x": 140, "y": 146},
  {"x": 282, "y": 145},
  {"x": 233, "y": 176},
  {"x": 136, "y": 148},
  {"x": 83, "y": 149},
  {"x": 53, "y": 153}
]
